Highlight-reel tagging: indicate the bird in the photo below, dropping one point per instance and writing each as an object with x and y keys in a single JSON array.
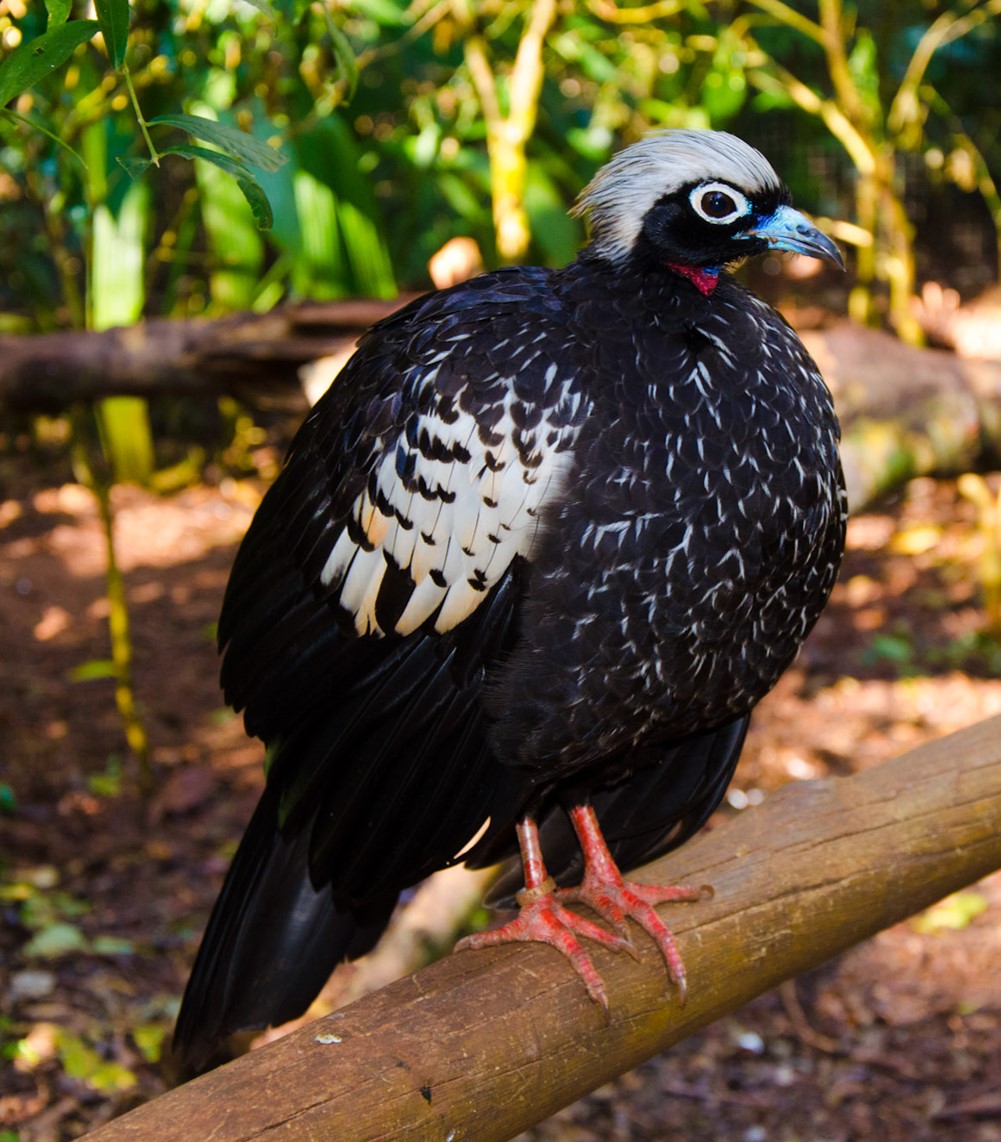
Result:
[{"x": 528, "y": 567}]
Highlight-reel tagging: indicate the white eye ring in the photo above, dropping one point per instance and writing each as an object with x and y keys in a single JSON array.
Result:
[{"x": 709, "y": 198}]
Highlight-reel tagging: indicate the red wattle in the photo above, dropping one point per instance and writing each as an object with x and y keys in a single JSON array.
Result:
[{"x": 703, "y": 279}]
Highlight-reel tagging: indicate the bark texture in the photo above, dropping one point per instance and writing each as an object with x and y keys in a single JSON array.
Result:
[{"x": 483, "y": 1044}]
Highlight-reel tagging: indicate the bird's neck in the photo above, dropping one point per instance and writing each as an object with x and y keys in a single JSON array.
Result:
[{"x": 703, "y": 278}]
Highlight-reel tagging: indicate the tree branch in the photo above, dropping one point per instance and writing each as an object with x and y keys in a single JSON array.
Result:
[
  {"x": 252, "y": 356},
  {"x": 483, "y": 1044}
]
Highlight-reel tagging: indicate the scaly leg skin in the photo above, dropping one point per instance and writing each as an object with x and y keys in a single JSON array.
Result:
[
  {"x": 605, "y": 890},
  {"x": 542, "y": 919}
]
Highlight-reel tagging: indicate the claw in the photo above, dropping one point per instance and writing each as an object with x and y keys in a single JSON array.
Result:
[
  {"x": 607, "y": 892},
  {"x": 542, "y": 917}
]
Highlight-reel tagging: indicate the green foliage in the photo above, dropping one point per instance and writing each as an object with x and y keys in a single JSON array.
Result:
[
  {"x": 8, "y": 800},
  {"x": 149, "y": 1038},
  {"x": 74, "y": 127},
  {"x": 82, "y": 1061},
  {"x": 54, "y": 940},
  {"x": 93, "y": 669},
  {"x": 376, "y": 111},
  {"x": 51, "y": 915},
  {"x": 872, "y": 82},
  {"x": 78, "y": 1058},
  {"x": 29, "y": 63},
  {"x": 895, "y": 647},
  {"x": 108, "y": 783},
  {"x": 113, "y": 16},
  {"x": 951, "y": 914}
]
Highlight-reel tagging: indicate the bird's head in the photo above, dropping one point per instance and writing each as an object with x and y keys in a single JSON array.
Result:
[{"x": 694, "y": 201}]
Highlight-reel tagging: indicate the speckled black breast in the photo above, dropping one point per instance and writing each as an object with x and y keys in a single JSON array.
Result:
[{"x": 699, "y": 535}]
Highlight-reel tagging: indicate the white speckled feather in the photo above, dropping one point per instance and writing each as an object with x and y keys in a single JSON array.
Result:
[{"x": 455, "y": 525}]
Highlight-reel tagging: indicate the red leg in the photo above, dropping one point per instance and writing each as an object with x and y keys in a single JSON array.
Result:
[
  {"x": 612, "y": 896},
  {"x": 543, "y": 919}
]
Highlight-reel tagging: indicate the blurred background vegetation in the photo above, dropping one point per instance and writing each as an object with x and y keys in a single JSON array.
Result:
[
  {"x": 197, "y": 158},
  {"x": 406, "y": 124},
  {"x": 201, "y": 157}
]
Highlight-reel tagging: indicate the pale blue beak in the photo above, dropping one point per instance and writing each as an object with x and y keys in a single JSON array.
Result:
[{"x": 787, "y": 229}]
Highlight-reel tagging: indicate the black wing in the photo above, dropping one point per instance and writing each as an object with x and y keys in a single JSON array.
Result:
[{"x": 380, "y": 579}]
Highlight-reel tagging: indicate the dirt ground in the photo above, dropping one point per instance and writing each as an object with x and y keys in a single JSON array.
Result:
[{"x": 102, "y": 898}]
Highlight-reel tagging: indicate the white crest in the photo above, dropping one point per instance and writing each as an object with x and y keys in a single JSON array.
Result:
[{"x": 619, "y": 196}]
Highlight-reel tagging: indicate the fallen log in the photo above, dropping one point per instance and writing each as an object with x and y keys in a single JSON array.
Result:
[
  {"x": 905, "y": 412},
  {"x": 254, "y": 357},
  {"x": 483, "y": 1044}
]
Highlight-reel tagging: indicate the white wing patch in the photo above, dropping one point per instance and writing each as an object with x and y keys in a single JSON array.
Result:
[{"x": 451, "y": 504}]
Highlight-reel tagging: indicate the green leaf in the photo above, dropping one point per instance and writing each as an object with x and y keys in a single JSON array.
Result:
[
  {"x": 119, "y": 255},
  {"x": 55, "y": 940},
  {"x": 8, "y": 801},
  {"x": 253, "y": 192},
  {"x": 237, "y": 144},
  {"x": 113, "y": 16},
  {"x": 383, "y": 12},
  {"x": 234, "y": 239},
  {"x": 133, "y": 165},
  {"x": 112, "y": 946},
  {"x": 81, "y": 1061},
  {"x": 724, "y": 87},
  {"x": 108, "y": 783},
  {"x": 863, "y": 66},
  {"x": 59, "y": 11},
  {"x": 149, "y": 1039},
  {"x": 893, "y": 647},
  {"x": 263, "y": 7},
  {"x": 32, "y": 61},
  {"x": 954, "y": 912},
  {"x": 95, "y": 668},
  {"x": 345, "y": 56}
]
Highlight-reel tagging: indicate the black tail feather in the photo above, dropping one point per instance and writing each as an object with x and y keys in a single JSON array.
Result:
[
  {"x": 380, "y": 772},
  {"x": 270, "y": 945}
]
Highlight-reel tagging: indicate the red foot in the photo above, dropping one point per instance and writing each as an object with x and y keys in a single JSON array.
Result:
[
  {"x": 616, "y": 899},
  {"x": 619, "y": 900},
  {"x": 542, "y": 919}
]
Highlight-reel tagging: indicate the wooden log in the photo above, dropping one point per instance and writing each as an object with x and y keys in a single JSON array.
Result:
[
  {"x": 905, "y": 412},
  {"x": 483, "y": 1044},
  {"x": 252, "y": 356}
]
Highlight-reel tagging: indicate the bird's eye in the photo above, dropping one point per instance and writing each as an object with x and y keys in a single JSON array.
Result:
[{"x": 718, "y": 203}]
